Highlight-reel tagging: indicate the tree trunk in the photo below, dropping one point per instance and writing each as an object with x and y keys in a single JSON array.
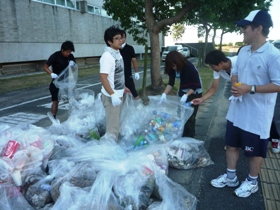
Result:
[
  {"x": 156, "y": 78},
  {"x": 207, "y": 30},
  {"x": 213, "y": 38},
  {"x": 221, "y": 41}
]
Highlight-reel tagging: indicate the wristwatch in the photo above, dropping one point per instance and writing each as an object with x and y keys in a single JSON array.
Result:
[{"x": 253, "y": 89}]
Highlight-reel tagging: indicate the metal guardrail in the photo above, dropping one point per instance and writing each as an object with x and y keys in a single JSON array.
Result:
[{"x": 193, "y": 50}]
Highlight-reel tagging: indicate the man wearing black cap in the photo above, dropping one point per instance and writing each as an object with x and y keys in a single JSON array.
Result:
[{"x": 256, "y": 77}]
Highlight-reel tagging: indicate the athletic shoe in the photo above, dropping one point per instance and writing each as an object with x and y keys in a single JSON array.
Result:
[
  {"x": 246, "y": 189},
  {"x": 223, "y": 181},
  {"x": 275, "y": 146}
]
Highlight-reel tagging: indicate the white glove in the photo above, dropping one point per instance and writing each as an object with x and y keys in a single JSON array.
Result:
[
  {"x": 162, "y": 98},
  {"x": 54, "y": 76},
  {"x": 137, "y": 76},
  {"x": 234, "y": 99},
  {"x": 184, "y": 98},
  {"x": 116, "y": 101},
  {"x": 99, "y": 96}
]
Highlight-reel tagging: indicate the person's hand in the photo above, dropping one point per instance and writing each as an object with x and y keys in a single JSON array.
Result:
[
  {"x": 162, "y": 98},
  {"x": 137, "y": 76},
  {"x": 184, "y": 98},
  {"x": 116, "y": 101},
  {"x": 197, "y": 101},
  {"x": 126, "y": 90},
  {"x": 54, "y": 76}
]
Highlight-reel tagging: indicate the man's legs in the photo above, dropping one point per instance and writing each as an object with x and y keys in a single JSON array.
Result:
[
  {"x": 112, "y": 116},
  {"x": 129, "y": 83},
  {"x": 255, "y": 164},
  {"x": 232, "y": 156},
  {"x": 54, "y": 108},
  {"x": 54, "y": 92}
]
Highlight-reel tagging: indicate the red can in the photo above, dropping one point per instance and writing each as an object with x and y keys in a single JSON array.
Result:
[{"x": 11, "y": 149}]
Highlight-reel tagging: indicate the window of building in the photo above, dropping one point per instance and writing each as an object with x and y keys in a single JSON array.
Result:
[
  {"x": 94, "y": 10},
  {"x": 64, "y": 3}
]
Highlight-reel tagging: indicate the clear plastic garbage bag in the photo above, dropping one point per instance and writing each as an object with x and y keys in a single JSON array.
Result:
[
  {"x": 67, "y": 80},
  {"x": 186, "y": 153}
]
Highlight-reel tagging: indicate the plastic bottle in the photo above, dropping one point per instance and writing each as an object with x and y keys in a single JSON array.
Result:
[
  {"x": 141, "y": 141},
  {"x": 150, "y": 136},
  {"x": 188, "y": 104}
]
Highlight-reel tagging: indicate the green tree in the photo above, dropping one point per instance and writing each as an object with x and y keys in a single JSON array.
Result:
[
  {"x": 223, "y": 16},
  {"x": 178, "y": 30},
  {"x": 143, "y": 18}
]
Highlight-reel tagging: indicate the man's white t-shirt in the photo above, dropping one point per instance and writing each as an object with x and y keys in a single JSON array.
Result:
[
  {"x": 111, "y": 63},
  {"x": 223, "y": 73}
]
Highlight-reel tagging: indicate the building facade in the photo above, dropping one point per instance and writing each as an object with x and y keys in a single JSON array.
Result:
[{"x": 31, "y": 30}]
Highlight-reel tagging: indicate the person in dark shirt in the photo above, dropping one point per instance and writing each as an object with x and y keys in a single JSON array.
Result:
[
  {"x": 58, "y": 61},
  {"x": 177, "y": 66},
  {"x": 129, "y": 56}
]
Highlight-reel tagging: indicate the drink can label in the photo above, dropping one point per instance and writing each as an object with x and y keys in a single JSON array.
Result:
[{"x": 11, "y": 149}]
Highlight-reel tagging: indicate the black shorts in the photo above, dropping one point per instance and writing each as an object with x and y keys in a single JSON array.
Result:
[
  {"x": 251, "y": 143},
  {"x": 54, "y": 91},
  {"x": 129, "y": 83}
]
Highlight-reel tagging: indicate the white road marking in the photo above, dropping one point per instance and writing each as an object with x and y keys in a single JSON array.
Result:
[
  {"x": 38, "y": 99},
  {"x": 21, "y": 117},
  {"x": 48, "y": 105}
]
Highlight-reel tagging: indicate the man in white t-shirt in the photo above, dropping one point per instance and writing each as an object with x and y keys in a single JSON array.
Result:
[
  {"x": 257, "y": 71},
  {"x": 112, "y": 79},
  {"x": 222, "y": 67}
]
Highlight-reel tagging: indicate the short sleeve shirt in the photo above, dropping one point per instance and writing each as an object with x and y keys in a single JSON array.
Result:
[
  {"x": 223, "y": 73},
  {"x": 114, "y": 68},
  {"x": 254, "y": 114},
  {"x": 127, "y": 53},
  {"x": 59, "y": 62}
]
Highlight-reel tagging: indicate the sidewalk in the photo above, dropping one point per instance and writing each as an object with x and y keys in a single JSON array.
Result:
[{"x": 210, "y": 128}]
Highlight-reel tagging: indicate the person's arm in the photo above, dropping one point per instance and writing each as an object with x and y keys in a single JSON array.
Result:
[
  {"x": 135, "y": 64},
  {"x": 105, "y": 83},
  {"x": 209, "y": 93},
  {"x": 167, "y": 89},
  {"x": 46, "y": 69}
]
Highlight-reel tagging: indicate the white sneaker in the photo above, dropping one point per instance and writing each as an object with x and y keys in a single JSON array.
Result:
[
  {"x": 223, "y": 181},
  {"x": 275, "y": 146},
  {"x": 246, "y": 189}
]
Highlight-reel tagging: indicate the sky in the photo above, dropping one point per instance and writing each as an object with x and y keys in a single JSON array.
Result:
[
  {"x": 275, "y": 15},
  {"x": 190, "y": 35}
]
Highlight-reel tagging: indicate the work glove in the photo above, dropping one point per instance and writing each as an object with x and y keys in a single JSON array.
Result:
[
  {"x": 54, "y": 76},
  {"x": 234, "y": 99},
  {"x": 184, "y": 98},
  {"x": 116, "y": 101},
  {"x": 162, "y": 98},
  {"x": 137, "y": 76},
  {"x": 99, "y": 96}
]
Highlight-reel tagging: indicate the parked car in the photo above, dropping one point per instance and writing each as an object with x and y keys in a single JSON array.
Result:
[
  {"x": 178, "y": 48},
  {"x": 186, "y": 52},
  {"x": 276, "y": 43}
]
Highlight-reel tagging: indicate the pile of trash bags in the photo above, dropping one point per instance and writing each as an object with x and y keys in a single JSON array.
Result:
[{"x": 73, "y": 165}]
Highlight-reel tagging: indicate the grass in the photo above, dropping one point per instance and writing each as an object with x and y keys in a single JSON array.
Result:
[{"x": 43, "y": 79}]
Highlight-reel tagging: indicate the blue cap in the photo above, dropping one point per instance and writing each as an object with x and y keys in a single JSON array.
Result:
[{"x": 258, "y": 17}]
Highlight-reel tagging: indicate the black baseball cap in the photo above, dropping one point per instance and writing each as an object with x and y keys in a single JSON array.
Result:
[{"x": 258, "y": 17}]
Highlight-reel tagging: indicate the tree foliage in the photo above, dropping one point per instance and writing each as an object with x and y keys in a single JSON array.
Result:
[
  {"x": 149, "y": 18},
  {"x": 177, "y": 31}
]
